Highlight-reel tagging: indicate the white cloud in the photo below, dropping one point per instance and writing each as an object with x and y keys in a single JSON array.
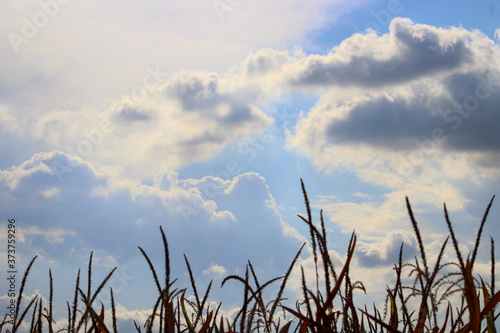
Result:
[
  {"x": 71, "y": 53},
  {"x": 376, "y": 218},
  {"x": 54, "y": 236},
  {"x": 190, "y": 118},
  {"x": 408, "y": 52},
  {"x": 84, "y": 75},
  {"x": 386, "y": 252},
  {"x": 423, "y": 109},
  {"x": 215, "y": 270},
  {"x": 362, "y": 195},
  {"x": 97, "y": 209}
]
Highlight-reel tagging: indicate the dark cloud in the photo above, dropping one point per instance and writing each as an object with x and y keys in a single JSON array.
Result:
[
  {"x": 468, "y": 119},
  {"x": 394, "y": 124},
  {"x": 202, "y": 93},
  {"x": 194, "y": 91},
  {"x": 128, "y": 113},
  {"x": 474, "y": 112},
  {"x": 411, "y": 52}
]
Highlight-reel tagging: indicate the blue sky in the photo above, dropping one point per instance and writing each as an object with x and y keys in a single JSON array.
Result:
[{"x": 202, "y": 117}]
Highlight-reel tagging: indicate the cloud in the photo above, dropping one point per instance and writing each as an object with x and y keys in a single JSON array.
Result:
[
  {"x": 434, "y": 81},
  {"x": 76, "y": 61},
  {"x": 396, "y": 131},
  {"x": 401, "y": 122},
  {"x": 96, "y": 208},
  {"x": 386, "y": 252},
  {"x": 216, "y": 270},
  {"x": 84, "y": 75},
  {"x": 190, "y": 118},
  {"x": 362, "y": 195},
  {"x": 264, "y": 61},
  {"x": 436, "y": 94},
  {"x": 376, "y": 219},
  {"x": 408, "y": 52}
]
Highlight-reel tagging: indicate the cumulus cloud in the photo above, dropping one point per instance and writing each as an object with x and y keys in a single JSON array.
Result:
[
  {"x": 95, "y": 208},
  {"x": 190, "y": 118},
  {"x": 409, "y": 51},
  {"x": 416, "y": 106},
  {"x": 440, "y": 90},
  {"x": 265, "y": 61},
  {"x": 81, "y": 185},
  {"x": 384, "y": 219},
  {"x": 430, "y": 94},
  {"x": 386, "y": 252},
  {"x": 82, "y": 74}
]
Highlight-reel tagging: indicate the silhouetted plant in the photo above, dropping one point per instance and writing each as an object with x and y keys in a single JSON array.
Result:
[{"x": 315, "y": 312}]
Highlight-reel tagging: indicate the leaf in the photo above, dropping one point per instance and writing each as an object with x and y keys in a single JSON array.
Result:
[
  {"x": 472, "y": 299},
  {"x": 99, "y": 319},
  {"x": 335, "y": 289},
  {"x": 491, "y": 304},
  {"x": 394, "y": 321},
  {"x": 206, "y": 325},
  {"x": 100, "y": 326},
  {"x": 221, "y": 330},
  {"x": 229, "y": 329},
  {"x": 303, "y": 327},
  {"x": 445, "y": 319},
  {"x": 489, "y": 316},
  {"x": 380, "y": 322},
  {"x": 488, "y": 307},
  {"x": 186, "y": 317},
  {"x": 285, "y": 328},
  {"x": 298, "y": 315}
]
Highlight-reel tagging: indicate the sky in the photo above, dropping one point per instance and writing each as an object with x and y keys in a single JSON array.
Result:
[{"x": 201, "y": 117}]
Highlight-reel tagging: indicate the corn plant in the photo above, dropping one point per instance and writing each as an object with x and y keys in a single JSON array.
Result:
[{"x": 328, "y": 307}]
